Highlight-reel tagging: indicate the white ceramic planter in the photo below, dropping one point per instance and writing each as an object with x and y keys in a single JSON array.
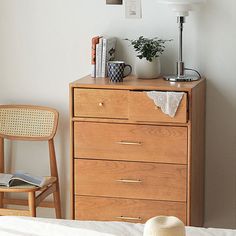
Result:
[{"x": 147, "y": 70}]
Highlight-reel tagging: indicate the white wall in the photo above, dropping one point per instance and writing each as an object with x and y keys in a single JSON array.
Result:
[{"x": 45, "y": 45}]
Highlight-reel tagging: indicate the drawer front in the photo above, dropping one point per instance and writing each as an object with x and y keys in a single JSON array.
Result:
[
  {"x": 130, "y": 142},
  {"x": 142, "y": 108},
  {"x": 129, "y": 210},
  {"x": 130, "y": 180},
  {"x": 100, "y": 103}
]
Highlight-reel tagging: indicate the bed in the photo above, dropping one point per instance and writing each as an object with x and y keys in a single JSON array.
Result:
[{"x": 27, "y": 226}]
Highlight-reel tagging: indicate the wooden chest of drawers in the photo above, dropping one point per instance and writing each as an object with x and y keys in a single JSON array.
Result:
[{"x": 130, "y": 161}]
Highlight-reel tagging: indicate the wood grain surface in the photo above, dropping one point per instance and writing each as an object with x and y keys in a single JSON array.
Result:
[
  {"x": 131, "y": 180},
  {"x": 130, "y": 142},
  {"x": 118, "y": 209},
  {"x": 100, "y": 103},
  {"x": 143, "y": 108},
  {"x": 133, "y": 83}
]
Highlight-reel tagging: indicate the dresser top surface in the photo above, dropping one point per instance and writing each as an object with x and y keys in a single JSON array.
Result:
[{"x": 132, "y": 83}]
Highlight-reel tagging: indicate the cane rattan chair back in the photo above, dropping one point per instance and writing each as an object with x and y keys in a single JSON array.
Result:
[
  {"x": 27, "y": 122},
  {"x": 30, "y": 123}
]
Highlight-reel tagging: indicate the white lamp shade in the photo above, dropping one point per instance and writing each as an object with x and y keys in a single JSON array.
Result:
[{"x": 182, "y": 7}]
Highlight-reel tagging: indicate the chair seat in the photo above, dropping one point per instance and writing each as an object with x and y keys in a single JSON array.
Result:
[{"x": 24, "y": 187}]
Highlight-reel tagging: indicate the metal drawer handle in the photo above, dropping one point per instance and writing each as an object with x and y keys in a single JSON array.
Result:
[
  {"x": 131, "y": 181},
  {"x": 100, "y": 104},
  {"x": 129, "y": 218},
  {"x": 129, "y": 143}
]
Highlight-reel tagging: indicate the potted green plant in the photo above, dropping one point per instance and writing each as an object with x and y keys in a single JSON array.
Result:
[{"x": 148, "y": 50}]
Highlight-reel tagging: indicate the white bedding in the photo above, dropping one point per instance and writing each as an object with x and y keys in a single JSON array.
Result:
[{"x": 26, "y": 226}]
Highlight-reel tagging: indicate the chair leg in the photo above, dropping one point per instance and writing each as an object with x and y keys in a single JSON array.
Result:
[
  {"x": 57, "y": 202},
  {"x": 1, "y": 199},
  {"x": 32, "y": 207},
  {"x": 1, "y": 167}
]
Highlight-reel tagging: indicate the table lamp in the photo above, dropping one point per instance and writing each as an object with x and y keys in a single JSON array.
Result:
[{"x": 182, "y": 8}]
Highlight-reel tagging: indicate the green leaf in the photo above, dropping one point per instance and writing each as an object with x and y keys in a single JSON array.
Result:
[{"x": 148, "y": 48}]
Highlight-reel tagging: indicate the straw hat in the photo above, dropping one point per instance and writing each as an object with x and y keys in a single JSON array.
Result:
[{"x": 164, "y": 226}]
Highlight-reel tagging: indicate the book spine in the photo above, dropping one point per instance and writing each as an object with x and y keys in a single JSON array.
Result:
[
  {"x": 99, "y": 58},
  {"x": 104, "y": 57},
  {"x": 95, "y": 41}
]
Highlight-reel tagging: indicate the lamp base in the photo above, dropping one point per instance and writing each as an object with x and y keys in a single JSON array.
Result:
[{"x": 183, "y": 78}]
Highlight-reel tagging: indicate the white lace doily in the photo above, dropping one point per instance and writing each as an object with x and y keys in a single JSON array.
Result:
[{"x": 167, "y": 101}]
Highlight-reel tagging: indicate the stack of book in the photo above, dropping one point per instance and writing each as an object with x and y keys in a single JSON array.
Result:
[{"x": 103, "y": 50}]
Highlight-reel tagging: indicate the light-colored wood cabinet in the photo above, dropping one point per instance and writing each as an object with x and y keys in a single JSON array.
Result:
[{"x": 130, "y": 161}]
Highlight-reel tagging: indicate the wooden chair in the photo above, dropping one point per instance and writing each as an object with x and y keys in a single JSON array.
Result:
[{"x": 29, "y": 123}]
